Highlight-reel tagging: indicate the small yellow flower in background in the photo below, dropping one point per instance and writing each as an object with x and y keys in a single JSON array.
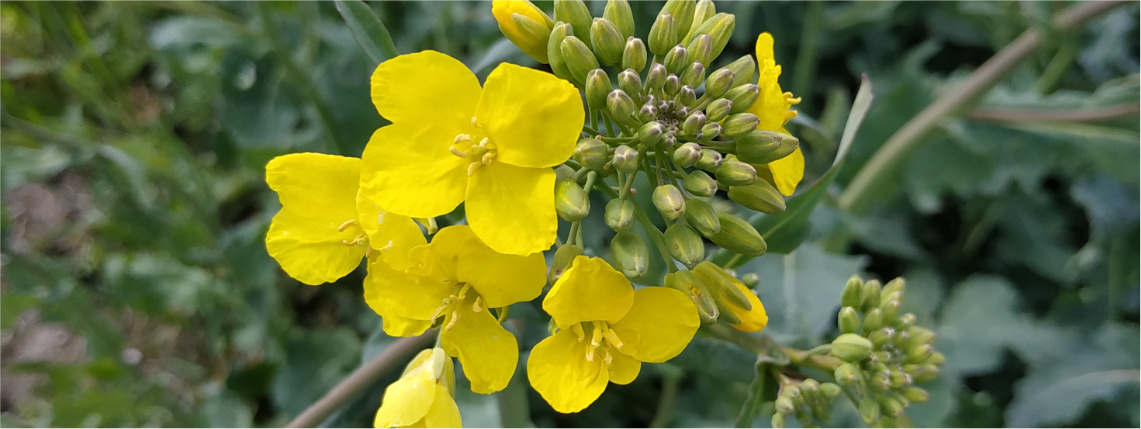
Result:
[
  {"x": 323, "y": 231},
  {"x": 423, "y": 396},
  {"x": 455, "y": 282},
  {"x": 606, "y": 330},
  {"x": 525, "y": 25},
  {"x": 772, "y": 107},
  {"x": 493, "y": 147}
]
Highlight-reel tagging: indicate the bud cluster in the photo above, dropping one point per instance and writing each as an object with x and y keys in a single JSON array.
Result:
[{"x": 806, "y": 400}]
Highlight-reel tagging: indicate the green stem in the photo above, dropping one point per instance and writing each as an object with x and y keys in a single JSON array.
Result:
[
  {"x": 1057, "y": 67},
  {"x": 882, "y": 166},
  {"x": 806, "y": 58},
  {"x": 810, "y": 359}
]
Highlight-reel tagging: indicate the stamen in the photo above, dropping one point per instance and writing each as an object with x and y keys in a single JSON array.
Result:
[
  {"x": 487, "y": 157},
  {"x": 451, "y": 323},
  {"x": 466, "y": 138},
  {"x": 477, "y": 306},
  {"x": 457, "y": 152},
  {"x": 484, "y": 143},
  {"x": 577, "y": 329},
  {"x": 472, "y": 167},
  {"x": 596, "y": 337},
  {"x": 356, "y": 241},
  {"x": 474, "y": 122},
  {"x": 612, "y": 338},
  {"x": 590, "y": 354},
  {"x": 347, "y": 224},
  {"x": 367, "y": 252},
  {"x": 606, "y": 357}
]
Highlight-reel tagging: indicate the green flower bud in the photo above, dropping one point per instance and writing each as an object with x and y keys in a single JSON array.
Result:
[
  {"x": 919, "y": 354},
  {"x": 890, "y": 305},
  {"x": 738, "y": 236},
  {"x": 895, "y": 285},
  {"x": 718, "y": 109},
  {"x": 916, "y": 395},
  {"x": 646, "y": 114},
  {"x": 629, "y": 81},
  {"x": 634, "y": 54},
  {"x": 701, "y": 216},
  {"x": 686, "y": 96},
  {"x": 693, "y": 75},
  {"x": 851, "y": 347},
  {"x": 688, "y": 283},
  {"x": 720, "y": 27},
  {"x": 702, "y": 12},
  {"x": 710, "y": 131},
  {"x": 663, "y": 34},
  {"x": 684, "y": 244},
  {"x": 763, "y": 147},
  {"x": 699, "y": 183},
  {"x": 830, "y": 390},
  {"x": 676, "y": 59},
  {"x": 625, "y": 159},
  {"x": 562, "y": 260},
  {"x": 619, "y": 214},
  {"x": 851, "y": 295},
  {"x": 810, "y": 387},
  {"x": 918, "y": 336},
  {"x": 564, "y": 172},
  {"x": 701, "y": 49},
  {"x": 650, "y": 134},
  {"x": 743, "y": 69},
  {"x": 778, "y": 421},
  {"x": 921, "y": 373},
  {"x": 578, "y": 57},
  {"x": 718, "y": 82},
  {"x": 740, "y": 124},
  {"x": 693, "y": 123},
  {"x": 879, "y": 357},
  {"x": 723, "y": 285},
  {"x": 743, "y": 97},
  {"x": 575, "y": 13},
  {"x": 591, "y": 153},
  {"x": 890, "y": 406},
  {"x": 672, "y": 86},
  {"x": 936, "y": 359},
  {"x": 869, "y": 410},
  {"x": 709, "y": 161},
  {"x": 751, "y": 280},
  {"x": 881, "y": 336},
  {"x": 656, "y": 78},
  {"x": 607, "y": 41},
  {"x": 597, "y": 88},
  {"x": 618, "y": 12},
  {"x": 682, "y": 11},
  {"x": 571, "y": 201},
  {"x": 686, "y": 155},
  {"x": 900, "y": 379},
  {"x": 761, "y": 196},
  {"x": 905, "y": 321},
  {"x": 631, "y": 256},
  {"x": 736, "y": 173},
  {"x": 669, "y": 202},
  {"x": 847, "y": 374},
  {"x": 784, "y": 405},
  {"x": 620, "y": 105},
  {"x": 870, "y": 295},
  {"x": 848, "y": 321},
  {"x": 873, "y": 321},
  {"x": 554, "y": 50}
]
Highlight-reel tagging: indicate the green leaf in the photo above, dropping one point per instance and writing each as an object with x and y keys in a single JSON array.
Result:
[
  {"x": 315, "y": 362},
  {"x": 369, "y": 32}
]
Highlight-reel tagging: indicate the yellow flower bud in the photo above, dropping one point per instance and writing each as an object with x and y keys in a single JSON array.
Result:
[
  {"x": 724, "y": 285},
  {"x": 607, "y": 41},
  {"x": 525, "y": 25},
  {"x": 701, "y": 216},
  {"x": 688, "y": 283},
  {"x": 761, "y": 196},
  {"x": 684, "y": 244},
  {"x": 701, "y": 13},
  {"x": 571, "y": 201},
  {"x": 618, "y": 12},
  {"x": 738, "y": 236},
  {"x": 701, "y": 49},
  {"x": 631, "y": 255}
]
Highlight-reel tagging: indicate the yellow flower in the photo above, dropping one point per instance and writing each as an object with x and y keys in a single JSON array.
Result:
[
  {"x": 772, "y": 107},
  {"x": 455, "y": 281},
  {"x": 525, "y": 25},
  {"x": 493, "y": 147},
  {"x": 423, "y": 396},
  {"x": 323, "y": 229},
  {"x": 606, "y": 330}
]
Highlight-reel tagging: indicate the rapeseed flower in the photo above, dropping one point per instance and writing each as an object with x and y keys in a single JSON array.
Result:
[
  {"x": 492, "y": 148},
  {"x": 424, "y": 396},
  {"x": 606, "y": 330},
  {"x": 772, "y": 108},
  {"x": 455, "y": 281},
  {"x": 323, "y": 229},
  {"x": 525, "y": 25}
]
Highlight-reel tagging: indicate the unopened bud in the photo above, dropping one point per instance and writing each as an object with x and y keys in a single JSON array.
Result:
[
  {"x": 830, "y": 390},
  {"x": 607, "y": 41},
  {"x": 736, "y": 173},
  {"x": 710, "y": 131},
  {"x": 699, "y": 183},
  {"x": 724, "y": 285},
  {"x": 717, "y": 84},
  {"x": 578, "y": 57},
  {"x": 625, "y": 159},
  {"x": 873, "y": 321},
  {"x": 562, "y": 260},
  {"x": 663, "y": 34},
  {"x": 647, "y": 113},
  {"x": 618, "y": 12},
  {"x": 851, "y": 347},
  {"x": 880, "y": 337},
  {"x": 650, "y": 134},
  {"x": 763, "y": 147},
  {"x": 720, "y": 27},
  {"x": 672, "y": 86},
  {"x": 870, "y": 295},
  {"x": 778, "y": 421},
  {"x": 919, "y": 354},
  {"x": 571, "y": 201},
  {"x": 676, "y": 59},
  {"x": 895, "y": 285},
  {"x": 701, "y": 216},
  {"x": 702, "y": 12},
  {"x": 900, "y": 379},
  {"x": 631, "y": 256},
  {"x": 848, "y": 320},
  {"x": 904, "y": 321},
  {"x": 684, "y": 244},
  {"x": 693, "y": 123},
  {"x": 554, "y": 50},
  {"x": 740, "y": 124},
  {"x": 751, "y": 280},
  {"x": 682, "y": 11},
  {"x": 629, "y": 81},
  {"x": 738, "y": 236},
  {"x": 850, "y": 297},
  {"x": 686, "y": 96},
  {"x": 890, "y": 305},
  {"x": 688, "y": 283},
  {"x": 761, "y": 196},
  {"x": 656, "y": 77},
  {"x": 591, "y": 153},
  {"x": 669, "y": 202},
  {"x": 701, "y": 49},
  {"x": 847, "y": 374},
  {"x": 921, "y": 373},
  {"x": 869, "y": 410},
  {"x": 634, "y": 54},
  {"x": 709, "y": 161},
  {"x": 575, "y": 13},
  {"x": 619, "y": 214},
  {"x": 686, "y": 155},
  {"x": 718, "y": 109},
  {"x": 890, "y": 406},
  {"x": 620, "y": 105},
  {"x": 743, "y": 69},
  {"x": 936, "y": 359},
  {"x": 693, "y": 75},
  {"x": 597, "y": 88},
  {"x": 525, "y": 25},
  {"x": 916, "y": 395},
  {"x": 784, "y": 405},
  {"x": 743, "y": 97}
]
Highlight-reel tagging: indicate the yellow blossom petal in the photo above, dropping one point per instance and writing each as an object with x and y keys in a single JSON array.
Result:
[
  {"x": 512, "y": 209},
  {"x": 501, "y": 279},
  {"x": 444, "y": 412},
  {"x": 764, "y": 48},
  {"x": 787, "y": 172},
  {"x": 408, "y": 169},
  {"x": 392, "y": 234},
  {"x": 753, "y": 320},
  {"x": 317, "y": 194},
  {"x": 407, "y": 401},
  {"x": 533, "y": 117},
  {"x": 623, "y": 368},
  {"x": 487, "y": 352},
  {"x": 659, "y": 325},
  {"x": 404, "y": 294},
  {"x": 425, "y": 87},
  {"x": 589, "y": 290},
  {"x": 559, "y": 371}
]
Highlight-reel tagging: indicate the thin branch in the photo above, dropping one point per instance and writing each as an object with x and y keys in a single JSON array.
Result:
[{"x": 1092, "y": 115}]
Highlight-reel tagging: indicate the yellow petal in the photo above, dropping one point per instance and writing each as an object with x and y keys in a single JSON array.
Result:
[
  {"x": 440, "y": 258},
  {"x": 407, "y": 400},
  {"x": 424, "y": 86},
  {"x": 589, "y": 290},
  {"x": 788, "y": 171},
  {"x": 753, "y": 320},
  {"x": 501, "y": 279},
  {"x": 764, "y": 47},
  {"x": 512, "y": 209},
  {"x": 408, "y": 169},
  {"x": 559, "y": 371},
  {"x": 317, "y": 194},
  {"x": 402, "y": 294},
  {"x": 623, "y": 368},
  {"x": 659, "y": 325},
  {"x": 533, "y": 117},
  {"x": 487, "y": 352},
  {"x": 444, "y": 412},
  {"x": 392, "y": 234}
]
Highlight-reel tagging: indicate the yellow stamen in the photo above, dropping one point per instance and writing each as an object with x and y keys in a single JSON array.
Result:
[
  {"x": 577, "y": 329},
  {"x": 606, "y": 357},
  {"x": 612, "y": 338},
  {"x": 487, "y": 157},
  {"x": 455, "y": 318},
  {"x": 590, "y": 354},
  {"x": 472, "y": 167},
  {"x": 477, "y": 306},
  {"x": 474, "y": 122},
  {"x": 347, "y": 224},
  {"x": 458, "y": 152},
  {"x": 596, "y": 336}
]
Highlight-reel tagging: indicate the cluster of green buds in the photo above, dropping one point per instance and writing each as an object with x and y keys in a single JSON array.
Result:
[
  {"x": 885, "y": 353},
  {"x": 806, "y": 400}
]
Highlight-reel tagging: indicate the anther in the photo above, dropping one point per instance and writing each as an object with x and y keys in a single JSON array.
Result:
[
  {"x": 577, "y": 329},
  {"x": 451, "y": 323},
  {"x": 590, "y": 354},
  {"x": 596, "y": 337},
  {"x": 606, "y": 357},
  {"x": 347, "y": 224},
  {"x": 483, "y": 143},
  {"x": 462, "y": 138},
  {"x": 457, "y": 152},
  {"x": 474, "y": 121},
  {"x": 612, "y": 338},
  {"x": 477, "y": 306},
  {"x": 487, "y": 157},
  {"x": 472, "y": 167}
]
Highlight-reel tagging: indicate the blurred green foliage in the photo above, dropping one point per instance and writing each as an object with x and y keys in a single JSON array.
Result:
[{"x": 137, "y": 291}]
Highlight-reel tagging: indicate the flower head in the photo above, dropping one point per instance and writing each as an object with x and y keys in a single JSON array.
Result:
[
  {"x": 493, "y": 147},
  {"x": 323, "y": 229},
  {"x": 772, "y": 108},
  {"x": 606, "y": 330},
  {"x": 423, "y": 396},
  {"x": 455, "y": 282},
  {"x": 525, "y": 25}
]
